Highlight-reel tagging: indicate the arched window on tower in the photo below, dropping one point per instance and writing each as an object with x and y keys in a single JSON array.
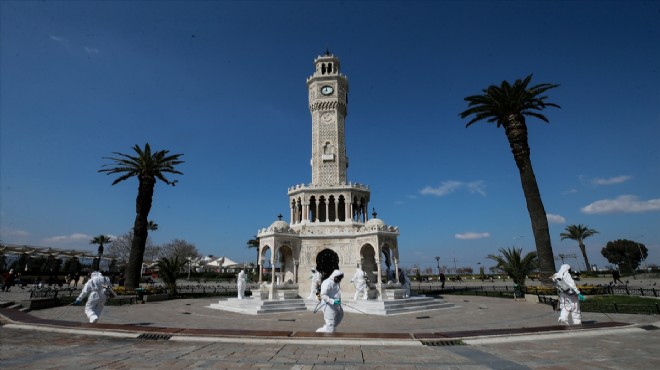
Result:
[
  {"x": 341, "y": 209},
  {"x": 312, "y": 209},
  {"x": 322, "y": 209},
  {"x": 330, "y": 70},
  {"x": 299, "y": 210},
  {"x": 332, "y": 209},
  {"x": 322, "y": 68}
]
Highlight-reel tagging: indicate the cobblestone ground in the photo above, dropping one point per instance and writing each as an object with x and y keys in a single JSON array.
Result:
[{"x": 28, "y": 349}]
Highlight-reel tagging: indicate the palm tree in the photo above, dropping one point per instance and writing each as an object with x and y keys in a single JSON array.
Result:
[
  {"x": 168, "y": 269},
  {"x": 100, "y": 240},
  {"x": 148, "y": 167},
  {"x": 516, "y": 266},
  {"x": 579, "y": 233},
  {"x": 507, "y": 105},
  {"x": 254, "y": 243}
]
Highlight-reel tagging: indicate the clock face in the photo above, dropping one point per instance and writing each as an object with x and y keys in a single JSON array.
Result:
[{"x": 327, "y": 90}]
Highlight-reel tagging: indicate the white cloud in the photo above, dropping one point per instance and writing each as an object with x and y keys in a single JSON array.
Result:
[
  {"x": 476, "y": 187},
  {"x": 570, "y": 191},
  {"x": 14, "y": 233},
  {"x": 622, "y": 204},
  {"x": 469, "y": 236},
  {"x": 73, "y": 48},
  {"x": 555, "y": 219},
  {"x": 62, "y": 41},
  {"x": 450, "y": 186},
  {"x": 68, "y": 238},
  {"x": 611, "y": 180}
]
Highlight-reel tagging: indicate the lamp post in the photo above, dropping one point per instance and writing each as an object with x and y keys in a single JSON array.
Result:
[
  {"x": 189, "y": 263},
  {"x": 437, "y": 259}
]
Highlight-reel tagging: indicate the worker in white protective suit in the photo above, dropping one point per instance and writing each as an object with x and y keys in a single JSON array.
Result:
[
  {"x": 314, "y": 286},
  {"x": 99, "y": 289},
  {"x": 240, "y": 284},
  {"x": 333, "y": 313},
  {"x": 404, "y": 280},
  {"x": 360, "y": 282},
  {"x": 569, "y": 296}
]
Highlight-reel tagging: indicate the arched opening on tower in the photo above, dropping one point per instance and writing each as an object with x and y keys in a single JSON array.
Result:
[
  {"x": 332, "y": 210},
  {"x": 265, "y": 263},
  {"x": 387, "y": 265},
  {"x": 284, "y": 264},
  {"x": 312, "y": 209},
  {"x": 327, "y": 261},
  {"x": 368, "y": 262},
  {"x": 341, "y": 209},
  {"x": 359, "y": 209},
  {"x": 322, "y": 209}
]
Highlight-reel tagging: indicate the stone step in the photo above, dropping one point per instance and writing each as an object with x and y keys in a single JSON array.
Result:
[
  {"x": 256, "y": 306},
  {"x": 16, "y": 306},
  {"x": 389, "y": 307},
  {"x": 6, "y": 304}
]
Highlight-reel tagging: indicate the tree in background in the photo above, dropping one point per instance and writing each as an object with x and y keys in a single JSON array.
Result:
[
  {"x": 168, "y": 269},
  {"x": 514, "y": 264},
  {"x": 626, "y": 254},
  {"x": 254, "y": 243},
  {"x": 507, "y": 105},
  {"x": 148, "y": 167},
  {"x": 101, "y": 240},
  {"x": 181, "y": 249},
  {"x": 579, "y": 233},
  {"x": 120, "y": 249},
  {"x": 72, "y": 266}
]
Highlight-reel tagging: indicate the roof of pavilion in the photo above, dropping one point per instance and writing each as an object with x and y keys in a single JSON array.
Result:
[{"x": 44, "y": 251}]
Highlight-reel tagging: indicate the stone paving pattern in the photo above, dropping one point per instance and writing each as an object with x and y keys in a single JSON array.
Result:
[{"x": 358, "y": 345}]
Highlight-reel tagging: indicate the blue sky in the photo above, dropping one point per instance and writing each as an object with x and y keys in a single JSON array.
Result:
[{"x": 224, "y": 84}]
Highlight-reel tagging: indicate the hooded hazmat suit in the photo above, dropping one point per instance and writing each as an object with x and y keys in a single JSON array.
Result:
[
  {"x": 316, "y": 281},
  {"x": 360, "y": 281},
  {"x": 331, "y": 300},
  {"x": 569, "y": 296},
  {"x": 97, "y": 287},
  {"x": 240, "y": 284}
]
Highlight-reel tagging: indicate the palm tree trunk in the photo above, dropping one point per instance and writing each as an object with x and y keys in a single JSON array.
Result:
[
  {"x": 516, "y": 132},
  {"x": 140, "y": 231},
  {"x": 583, "y": 249}
]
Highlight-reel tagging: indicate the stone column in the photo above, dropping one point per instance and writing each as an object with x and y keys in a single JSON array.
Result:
[
  {"x": 293, "y": 213},
  {"x": 378, "y": 277},
  {"x": 349, "y": 215},
  {"x": 261, "y": 271},
  {"x": 396, "y": 269},
  {"x": 295, "y": 271},
  {"x": 327, "y": 209}
]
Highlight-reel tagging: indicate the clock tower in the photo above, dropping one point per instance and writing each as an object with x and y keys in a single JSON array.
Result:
[
  {"x": 329, "y": 226},
  {"x": 328, "y": 98}
]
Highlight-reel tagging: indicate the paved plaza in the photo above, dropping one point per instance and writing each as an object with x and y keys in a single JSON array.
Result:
[{"x": 477, "y": 333}]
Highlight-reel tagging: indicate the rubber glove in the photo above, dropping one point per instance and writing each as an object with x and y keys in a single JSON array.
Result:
[
  {"x": 77, "y": 302},
  {"x": 337, "y": 301},
  {"x": 580, "y": 297}
]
